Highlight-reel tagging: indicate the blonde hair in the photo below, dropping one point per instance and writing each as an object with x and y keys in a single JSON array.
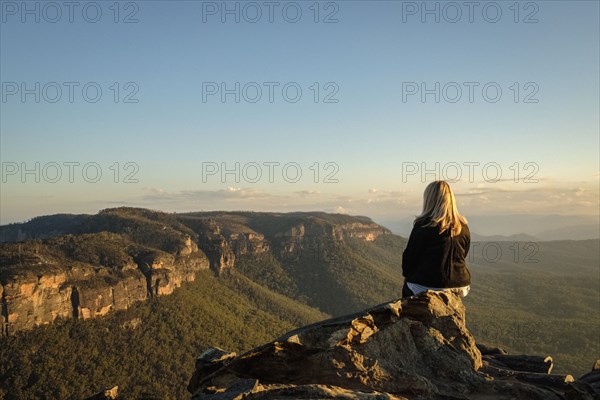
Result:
[{"x": 439, "y": 209}]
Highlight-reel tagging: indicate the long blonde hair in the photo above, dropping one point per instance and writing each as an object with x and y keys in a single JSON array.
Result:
[{"x": 439, "y": 209}]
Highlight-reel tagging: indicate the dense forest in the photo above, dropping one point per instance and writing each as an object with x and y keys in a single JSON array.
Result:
[{"x": 150, "y": 349}]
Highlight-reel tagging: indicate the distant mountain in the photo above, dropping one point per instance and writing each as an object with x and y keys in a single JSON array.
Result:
[
  {"x": 42, "y": 227},
  {"x": 519, "y": 237},
  {"x": 518, "y": 226},
  {"x": 401, "y": 226},
  {"x": 571, "y": 232}
]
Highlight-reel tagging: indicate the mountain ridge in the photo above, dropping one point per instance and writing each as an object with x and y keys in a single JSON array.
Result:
[{"x": 87, "y": 265}]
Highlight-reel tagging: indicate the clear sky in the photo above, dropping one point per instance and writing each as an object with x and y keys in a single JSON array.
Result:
[{"x": 386, "y": 91}]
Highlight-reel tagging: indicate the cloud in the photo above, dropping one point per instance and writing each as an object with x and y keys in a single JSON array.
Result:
[
  {"x": 305, "y": 193},
  {"x": 154, "y": 190},
  {"x": 526, "y": 178},
  {"x": 388, "y": 193},
  {"x": 342, "y": 210},
  {"x": 541, "y": 198},
  {"x": 225, "y": 194},
  {"x": 551, "y": 197}
]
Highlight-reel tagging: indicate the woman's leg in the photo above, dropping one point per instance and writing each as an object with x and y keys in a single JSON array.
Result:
[{"x": 406, "y": 292}]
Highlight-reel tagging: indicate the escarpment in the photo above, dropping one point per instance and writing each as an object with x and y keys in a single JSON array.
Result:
[
  {"x": 86, "y": 266},
  {"x": 225, "y": 236},
  {"x": 310, "y": 257},
  {"x": 60, "y": 278}
]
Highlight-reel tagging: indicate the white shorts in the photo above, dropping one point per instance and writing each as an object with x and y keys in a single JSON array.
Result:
[{"x": 416, "y": 289}]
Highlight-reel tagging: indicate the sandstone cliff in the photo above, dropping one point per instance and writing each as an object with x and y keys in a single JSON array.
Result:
[
  {"x": 65, "y": 278},
  {"x": 85, "y": 266},
  {"x": 224, "y": 236},
  {"x": 413, "y": 348}
]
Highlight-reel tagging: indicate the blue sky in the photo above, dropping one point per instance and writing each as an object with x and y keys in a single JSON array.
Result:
[{"x": 369, "y": 135}]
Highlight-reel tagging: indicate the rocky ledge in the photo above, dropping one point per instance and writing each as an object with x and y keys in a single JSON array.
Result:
[{"x": 414, "y": 348}]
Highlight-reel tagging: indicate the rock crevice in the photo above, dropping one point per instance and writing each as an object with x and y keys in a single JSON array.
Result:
[
  {"x": 75, "y": 302},
  {"x": 3, "y": 312}
]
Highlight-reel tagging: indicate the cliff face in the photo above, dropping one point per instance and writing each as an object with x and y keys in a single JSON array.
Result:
[
  {"x": 226, "y": 236},
  {"x": 413, "y": 348},
  {"x": 29, "y": 300},
  {"x": 312, "y": 237},
  {"x": 39, "y": 284}
]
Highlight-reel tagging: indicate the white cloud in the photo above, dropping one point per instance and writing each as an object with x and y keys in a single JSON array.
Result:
[
  {"x": 154, "y": 190},
  {"x": 304, "y": 193},
  {"x": 342, "y": 210},
  {"x": 499, "y": 198}
]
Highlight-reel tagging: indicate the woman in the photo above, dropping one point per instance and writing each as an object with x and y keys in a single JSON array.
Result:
[{"x": 434, "y": 258}]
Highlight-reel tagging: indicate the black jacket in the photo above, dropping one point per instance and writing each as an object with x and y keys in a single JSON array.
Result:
[{"x": 437, "y": 260}]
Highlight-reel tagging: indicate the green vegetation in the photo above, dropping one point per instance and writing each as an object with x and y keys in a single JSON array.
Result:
[
  {"x": 336, "y": 277},
  {"x": 266, "y": 270},
  {"x": 539, "y": 299},
  {"x": 72, "y": 359},
  {"x": 146, "y": 227}
]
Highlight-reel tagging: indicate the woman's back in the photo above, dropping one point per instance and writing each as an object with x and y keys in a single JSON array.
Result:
[
  {"x": 437, "y": 260},
  {"x": 435, "y": 256}
]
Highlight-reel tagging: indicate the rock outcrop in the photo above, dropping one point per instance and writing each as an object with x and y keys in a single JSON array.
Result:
[
  {"x": 311, "y": 238},
  {"x": 105, "y": 394},
  {"x": 414, "y": 348},
  {"x": 40, "y": 284},
  {"x": 587, "y": 387},
  {"x": 227, "y": 236}
]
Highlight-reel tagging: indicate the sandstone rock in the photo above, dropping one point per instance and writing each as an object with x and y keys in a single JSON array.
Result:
[
  {"x": 414, "y": 348},
  {"x": 219, "y": 253},
  {"x": 252, "y": 389},
  {"x": 587, "y": 387},
  {"x": 489, "y": 350},
  {"x": 105, "y": 394},
  {"x": 366, "y": 231},
  {"x": 248, "y": 243},
  {"x": 94, "y": 301},
  {"x": 188, "y": 247},
  {"x": 525, "y": 363},
  {"x": 208, "y": 362},
  {"x": 30, "y": 300},
  {"x": 39, "y": 286},
  {"x": 129, "y": 290},
  {"x": 132, "y": 324},
  {"x": 557, "y": 381}
]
